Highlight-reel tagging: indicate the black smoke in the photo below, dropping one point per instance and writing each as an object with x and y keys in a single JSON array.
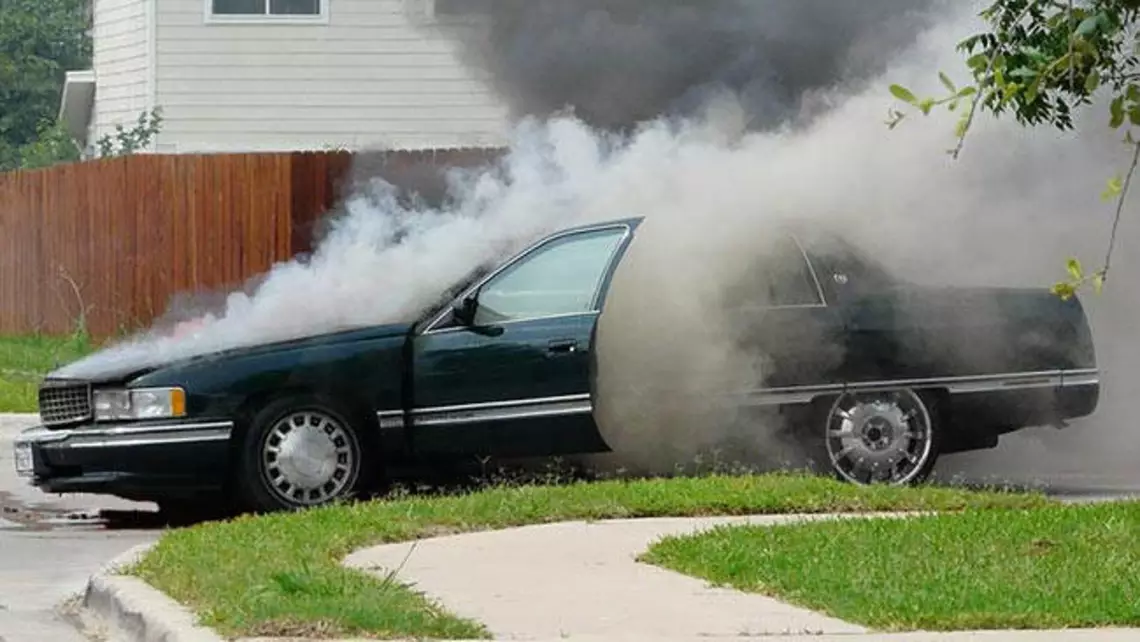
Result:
[{"x": 616, "y": 63}]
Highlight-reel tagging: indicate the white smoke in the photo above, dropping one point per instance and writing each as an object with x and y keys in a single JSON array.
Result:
[{"x": 1007, "y": 212}]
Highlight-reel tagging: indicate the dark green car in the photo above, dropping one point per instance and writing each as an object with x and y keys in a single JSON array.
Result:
[{"x": 881, "y": 373}]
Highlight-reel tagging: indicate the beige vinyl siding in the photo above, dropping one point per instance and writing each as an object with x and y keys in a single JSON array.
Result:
[
  {"x": 121, "y": 63},
  {"x": 371, "y": 77}
]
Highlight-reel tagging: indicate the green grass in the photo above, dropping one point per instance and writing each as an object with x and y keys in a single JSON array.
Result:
[
  {"x": 1057, "y": 567},
  {"x": 25, "y": 360},
  {"x": 279, "y": 575}
]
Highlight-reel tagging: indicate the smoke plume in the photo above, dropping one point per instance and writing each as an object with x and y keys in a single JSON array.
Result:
[
  {"x": 618, "y": 63},
  {"x": 683, "y": 116}
]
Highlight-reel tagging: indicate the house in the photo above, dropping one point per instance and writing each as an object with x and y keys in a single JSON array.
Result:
[{"x": 283, "y": 75}]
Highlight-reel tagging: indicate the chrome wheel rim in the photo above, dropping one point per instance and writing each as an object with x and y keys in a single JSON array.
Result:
[
  {"x": 309, "y": 458},
  {"x": 882, "y": 437}
]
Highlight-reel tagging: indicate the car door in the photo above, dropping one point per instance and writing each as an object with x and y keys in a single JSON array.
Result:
[
  {"x": 784, "y": 317},
  {"x": 514, "y": 379}
]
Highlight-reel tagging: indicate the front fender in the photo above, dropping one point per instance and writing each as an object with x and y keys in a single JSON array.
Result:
[{"x": 365, "y": 373}]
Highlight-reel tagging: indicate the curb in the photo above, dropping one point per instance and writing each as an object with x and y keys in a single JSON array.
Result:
[{"x": 133, "y": 610}]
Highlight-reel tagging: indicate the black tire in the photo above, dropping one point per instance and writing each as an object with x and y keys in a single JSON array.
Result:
[
  {"x": 823, "y": 454},
  {"x": 264, "y": 482}
]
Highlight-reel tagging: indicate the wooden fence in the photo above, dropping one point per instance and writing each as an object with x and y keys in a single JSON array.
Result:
[{"x": 118, "y": 238}]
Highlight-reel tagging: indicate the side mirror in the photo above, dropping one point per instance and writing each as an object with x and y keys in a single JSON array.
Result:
[{"x": 464, "y": 310}]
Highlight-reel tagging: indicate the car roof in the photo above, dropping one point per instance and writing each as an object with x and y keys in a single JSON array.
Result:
[{"x": 632, "y": 221}]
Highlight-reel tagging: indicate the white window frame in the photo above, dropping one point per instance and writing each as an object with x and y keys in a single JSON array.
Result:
[{"x": 222, "y": 19}]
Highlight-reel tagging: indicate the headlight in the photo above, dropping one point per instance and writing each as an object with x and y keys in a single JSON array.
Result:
[{"x": 144, "y": 403}]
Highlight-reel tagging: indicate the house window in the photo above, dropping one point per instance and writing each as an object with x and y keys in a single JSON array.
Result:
[{"x": 267, "y": 9}]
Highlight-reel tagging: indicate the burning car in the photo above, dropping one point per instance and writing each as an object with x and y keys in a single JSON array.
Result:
[{"x": 883, "y": 375}]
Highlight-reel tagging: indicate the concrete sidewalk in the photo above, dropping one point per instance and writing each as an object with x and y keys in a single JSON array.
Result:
[{"x": 581, "y": 581}]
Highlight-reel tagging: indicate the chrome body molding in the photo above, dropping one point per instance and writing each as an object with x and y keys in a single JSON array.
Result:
[
  {"x": 390, "y": 419},
  {"x": 494, "y": 411},
  {"x": 954, "y": 385},
  {"x": 129, "y": 435},
  {"x": 793, "y": 395}
]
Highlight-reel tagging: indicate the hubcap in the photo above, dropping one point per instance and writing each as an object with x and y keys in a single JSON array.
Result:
[
  {"x": 309, "y": 458},
  {"x": 879, "y": 437}
]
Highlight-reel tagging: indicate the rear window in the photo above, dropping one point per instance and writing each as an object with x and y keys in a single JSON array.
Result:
[{"x": 779, "y": 277}]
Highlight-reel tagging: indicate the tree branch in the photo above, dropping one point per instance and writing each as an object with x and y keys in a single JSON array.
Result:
[
  {"x": 1120, "y": 211},
  {"x": 980, "y": 94}
]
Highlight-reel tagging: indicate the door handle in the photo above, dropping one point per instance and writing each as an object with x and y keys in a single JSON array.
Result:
[{"x": 562, "y": 346}]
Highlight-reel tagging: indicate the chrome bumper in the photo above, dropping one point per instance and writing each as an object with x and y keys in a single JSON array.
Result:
[{"x": 89, "y": 438}]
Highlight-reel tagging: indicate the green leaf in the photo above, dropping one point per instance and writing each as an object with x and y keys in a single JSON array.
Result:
[
  {"x": 1113, "y": 189},
  {"x": 926, "y": 105},
  {"x": 947, "y": 83},
  {"x": 1134, "y": 115},
  {"x": 903, "y": 94},
  {"x": 1092, "y": 83},
  {"x": 1098, "y": 282},
  {"x": 1074, "y": 268},
  {"x": 1116, "y": 109},
  {"x": 1033, "y": 90},
  {"x": 1064, "y": 290},
  {"x": 978, "y": 62},
  {"x": 1088, "y": 26}
]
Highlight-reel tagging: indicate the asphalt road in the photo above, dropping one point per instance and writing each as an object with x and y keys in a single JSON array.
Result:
[{"x": 49, "y": 545}]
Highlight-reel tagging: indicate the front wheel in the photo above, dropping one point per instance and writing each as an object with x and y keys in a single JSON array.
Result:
[
  {"x": 890, "y": 437},
  {"x": 300, "y": 453}
]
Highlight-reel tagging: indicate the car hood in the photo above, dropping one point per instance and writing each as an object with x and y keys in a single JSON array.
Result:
[{"x": 119, "y": 364}]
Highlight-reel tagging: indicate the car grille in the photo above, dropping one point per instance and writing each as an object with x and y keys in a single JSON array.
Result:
[{"x": 64, "y": 403}]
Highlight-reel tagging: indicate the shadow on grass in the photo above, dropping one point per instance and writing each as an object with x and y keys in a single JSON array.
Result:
[{"x": 460, "y": 480}]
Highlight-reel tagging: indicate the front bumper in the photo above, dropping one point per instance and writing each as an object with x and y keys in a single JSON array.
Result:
[{"x": 137, "y": 461}]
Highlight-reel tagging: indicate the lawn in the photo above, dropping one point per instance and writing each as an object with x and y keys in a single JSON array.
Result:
[
  {"x": 280, "y": 575},
  {"x": 25, "y": 360},
  {"x": 1057, "y": 567}
]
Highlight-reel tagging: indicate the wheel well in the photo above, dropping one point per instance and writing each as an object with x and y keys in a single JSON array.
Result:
[
  {"x": 941, "y": 395},
  {"x": 941, "y": 403},
  {"x": 937, "y": 400}
]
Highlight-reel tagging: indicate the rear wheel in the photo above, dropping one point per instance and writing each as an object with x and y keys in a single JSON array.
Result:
[
  {"x": 300, "y": 453},
  {"x": 889, "y": 437}
]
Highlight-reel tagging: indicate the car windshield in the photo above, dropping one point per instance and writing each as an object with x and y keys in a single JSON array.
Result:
[{"x": 467, "y": 281}]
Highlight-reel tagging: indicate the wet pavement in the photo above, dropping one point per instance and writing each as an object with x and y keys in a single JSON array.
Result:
[{"x": 50, "y": 545}]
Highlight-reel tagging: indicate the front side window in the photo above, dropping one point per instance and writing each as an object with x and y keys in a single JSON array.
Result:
[
  {"x": 266, "y": 7},
  {"x": 562, "y": 277}
]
